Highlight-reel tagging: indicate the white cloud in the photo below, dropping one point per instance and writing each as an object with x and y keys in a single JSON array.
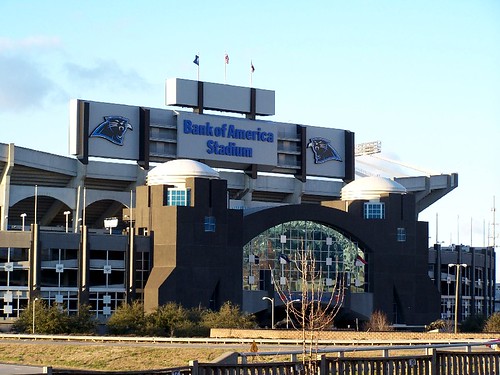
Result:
[
  {"x": 24, "y": 84},
  {"x": 28, "y": 43},
  {"x": 31, "y": 75},
  {"x": 106, "y": 74}
]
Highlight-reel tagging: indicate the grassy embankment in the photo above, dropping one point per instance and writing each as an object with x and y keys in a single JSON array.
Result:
[{"x": 102, "y": 357}]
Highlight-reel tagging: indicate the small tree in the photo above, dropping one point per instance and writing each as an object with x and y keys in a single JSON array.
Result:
[
  {"x": 84, "y": 321},
  {"x": 493, "y": 323},
  {"x": 378, "y": 322},
  {"x": 229, "y": 316},
  {"x": 24, "y": 323},
  {"x": 474, "y": 323},
  {"x": 440, "y": 325},
  {"x": 47, "y": 320},
  {"x": 128, "y": 319},
  {"x": 54, "y": 319},
  {"x": 318, "y": 302},
  {"x": 167, "y": 319}
]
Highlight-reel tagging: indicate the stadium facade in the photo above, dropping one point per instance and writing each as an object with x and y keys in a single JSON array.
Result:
[{"x": 215, "y": 209}]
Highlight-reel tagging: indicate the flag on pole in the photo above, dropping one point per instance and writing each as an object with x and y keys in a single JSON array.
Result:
[
  {"x": 252, "y": 69},
  {"x": 197, "y": 62},
  {"x": 360, "y": 261},
  {"x": 226, "y": 62}
]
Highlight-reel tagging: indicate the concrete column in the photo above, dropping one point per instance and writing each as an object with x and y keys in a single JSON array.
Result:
[
  {"x": 296, "y": 196},
  {"x": 5, "y": 188}
]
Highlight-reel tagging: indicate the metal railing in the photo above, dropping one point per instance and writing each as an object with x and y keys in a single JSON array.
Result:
[{"x": 385, "y": 350}]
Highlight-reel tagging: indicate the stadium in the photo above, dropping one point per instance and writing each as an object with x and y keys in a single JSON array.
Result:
[{"x": 201, "y": 208}]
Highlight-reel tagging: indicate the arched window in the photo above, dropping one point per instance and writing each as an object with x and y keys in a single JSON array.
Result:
[{"x": 275, "y": 254}]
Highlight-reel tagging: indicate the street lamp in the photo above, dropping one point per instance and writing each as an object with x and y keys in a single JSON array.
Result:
[
  {"x": 272, "y": 309},
  {"x": 66, "y": 213},
  {"x": 287, "y": 310},
  {"x": 23, "y": 216},
  {"x": 34, "y": 304},
  {"x": 457, "y": 282}
]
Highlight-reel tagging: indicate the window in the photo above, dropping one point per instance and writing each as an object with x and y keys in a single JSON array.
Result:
[
  {"x": 209, "y": 224},
  {"x": 374, "y": 210},
  {"x": 401, "y": 235},
  {"x": 179, "y": 197}
]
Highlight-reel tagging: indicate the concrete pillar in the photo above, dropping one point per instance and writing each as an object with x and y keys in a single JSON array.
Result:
[{"x": 5, "y": 188}]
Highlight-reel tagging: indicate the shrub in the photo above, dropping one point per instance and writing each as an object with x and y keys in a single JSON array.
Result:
[
  {"x": 229, "y": 316},
  {"x": 128, "y": 320},
  {"x": 378, "y": 322},
  {"x": 493, "y": 323},
  {"x": 473, "y": 324},
  {"x": 168, "y": 319},
  {"x": 24, "y": 324},
  {"x": 173, "y": 319},
  {"x": 54, "y": 320},
  {"x": 441, "y": 325},
  {"x": 84, "y": 321}
]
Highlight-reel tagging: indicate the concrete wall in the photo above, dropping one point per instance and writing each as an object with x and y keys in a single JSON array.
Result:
[{"x": 367, "y": 337}]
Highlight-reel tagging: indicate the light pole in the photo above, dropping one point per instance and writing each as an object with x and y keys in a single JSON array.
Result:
[
  {"x": 66, "y": 213},
  {"x": 23, "y": 217},
  {"x": 272, "y": 309},
  {"x": 34, "y": 314},
  {"x": 457, "y": 283},
  {"x": 287, "y": 310}
]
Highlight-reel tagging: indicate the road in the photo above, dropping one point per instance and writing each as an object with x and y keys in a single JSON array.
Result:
[{"x": 19, "y": 369}]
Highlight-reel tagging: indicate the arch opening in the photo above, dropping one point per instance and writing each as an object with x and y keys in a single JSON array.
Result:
[{"x": 271, "y": 257}]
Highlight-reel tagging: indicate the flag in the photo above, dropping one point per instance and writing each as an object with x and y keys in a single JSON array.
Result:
[
  {"x": 360, "y": 261},
  {"x": 196, "y": 60},
  {"x": 252, "y": 68},
  {"x": 226, "y": 58},
  {"x": 284, "y": 259}
]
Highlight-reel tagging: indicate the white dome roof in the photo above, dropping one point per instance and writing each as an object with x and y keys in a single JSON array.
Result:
[
  {"x": 370, "y": 188},
  {"x": 176, "y": 171}
]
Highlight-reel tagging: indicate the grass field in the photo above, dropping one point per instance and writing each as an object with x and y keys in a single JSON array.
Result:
[{"x": 102, "y": 357}]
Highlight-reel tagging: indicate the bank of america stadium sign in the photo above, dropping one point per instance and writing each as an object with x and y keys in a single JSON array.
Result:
[{"x": 223, "y": 138}]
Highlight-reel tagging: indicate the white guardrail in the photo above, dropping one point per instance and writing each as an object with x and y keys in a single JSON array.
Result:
[{"x": 245, "y": 341}]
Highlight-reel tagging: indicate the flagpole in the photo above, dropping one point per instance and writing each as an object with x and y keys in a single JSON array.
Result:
[
  {"x": 251, "y": 73},
  {"x": 197, "y": 62},
  {"x": 225, "y": 66}
]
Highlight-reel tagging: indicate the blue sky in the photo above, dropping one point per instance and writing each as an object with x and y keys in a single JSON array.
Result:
[{"x": 423, "y": 77}]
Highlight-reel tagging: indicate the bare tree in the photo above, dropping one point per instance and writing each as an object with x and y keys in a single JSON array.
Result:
[
  {"x": 378, "y": 322},
  {"x": 318, "y": 298}
]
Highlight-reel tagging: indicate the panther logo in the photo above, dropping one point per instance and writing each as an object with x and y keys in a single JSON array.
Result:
[
  {"x": 113, "y": 129},
  {"x": 323, "y": 150}
]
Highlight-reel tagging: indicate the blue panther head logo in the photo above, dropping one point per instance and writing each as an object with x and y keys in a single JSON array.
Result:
[
  {"x": 323, "y": 150},
  {"x": 113, "y": 129}
]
